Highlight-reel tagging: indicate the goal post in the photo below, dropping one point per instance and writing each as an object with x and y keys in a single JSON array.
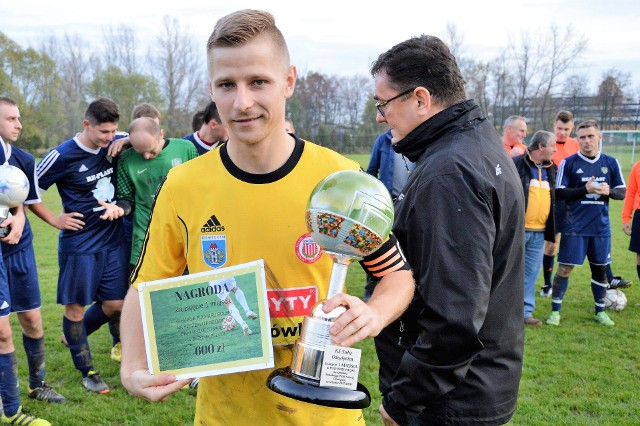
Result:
[{"x": 621, "y": 144}]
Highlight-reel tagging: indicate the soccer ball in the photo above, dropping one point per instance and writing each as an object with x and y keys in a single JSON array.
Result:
[
  {"x": 14, "y": 186},
  {"x": 615, "y": 299},
  {"x": 228, "y": 323}
]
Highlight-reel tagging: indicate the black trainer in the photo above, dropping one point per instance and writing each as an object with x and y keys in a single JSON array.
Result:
[
  {"x": 619, "y": 282},
  {"x": 94, "y": 383},
  {"x": 45, "y": 393}
]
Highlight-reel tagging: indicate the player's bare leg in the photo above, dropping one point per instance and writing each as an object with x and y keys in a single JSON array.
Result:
[{"x": 243, "y": 302}]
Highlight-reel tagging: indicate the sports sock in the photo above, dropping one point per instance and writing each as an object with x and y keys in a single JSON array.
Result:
[
  {"x": 114, "y": 328},
  {"x": 609, "y": 273},
  {"x": 9, "y": 390},
  {"x": 34, "y": 348},
  {"x": 599, "y": 284},
  {"x": 78, "y": 345},
  {"x": 236, "y": 315},
  {"x": 638, "y": 270},
  {"x": 547, "y": 269},
  {"x": 94, "y": 318},
  {"x": 240, "y": 298},
  {"x": 560, "y": 285},
  {"x": 599, "y": 291}
]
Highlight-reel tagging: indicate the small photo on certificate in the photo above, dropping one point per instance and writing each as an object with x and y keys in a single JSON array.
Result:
[{"x": 208, "y": 323}]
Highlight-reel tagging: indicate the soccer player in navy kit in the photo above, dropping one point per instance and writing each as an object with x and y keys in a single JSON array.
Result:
[
  {"x": 19, "y": 289},
  {"x": 93, "y": 266},
  {"x": 586, "y": 180},
  {"x": 212, "y": 132}
]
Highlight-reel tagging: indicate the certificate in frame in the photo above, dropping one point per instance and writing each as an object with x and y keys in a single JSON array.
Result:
[{"x": 191, "y": 329}]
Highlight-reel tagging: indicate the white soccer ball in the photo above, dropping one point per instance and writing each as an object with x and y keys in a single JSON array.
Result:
[
  {"x": 228, "y": 323},
  {"x": 615, "y": 299},
  {"x": 14, "y": 186}
]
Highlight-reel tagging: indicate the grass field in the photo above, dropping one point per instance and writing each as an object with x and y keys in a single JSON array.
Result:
[{"x": 579, "y": 373}]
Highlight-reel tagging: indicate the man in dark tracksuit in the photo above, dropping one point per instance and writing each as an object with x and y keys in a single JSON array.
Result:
[{"x": 460, "y": 222}]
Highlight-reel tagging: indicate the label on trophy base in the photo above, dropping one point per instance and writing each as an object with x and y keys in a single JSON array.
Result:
[{"x": 340, "y": 367}]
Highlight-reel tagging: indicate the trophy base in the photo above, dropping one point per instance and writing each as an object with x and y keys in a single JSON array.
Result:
[{"x": 285, "y": 382}]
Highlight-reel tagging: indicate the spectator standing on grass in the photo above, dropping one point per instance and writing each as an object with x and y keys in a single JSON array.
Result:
[
  {"x": 142, "y": 169},
  {"x": 91, "y": 257},
  {"x": 393, "y": 170},
  {"x": 566, "y": 146},
  {"x": 630, "y": 215},
  {"x": 460, "y": 223},
  {"x": 538, "y": 176},
  {"x": 19, "y": 287},
  {"x": 586, "y": 180},
  {"x": 514, "y": 132}
]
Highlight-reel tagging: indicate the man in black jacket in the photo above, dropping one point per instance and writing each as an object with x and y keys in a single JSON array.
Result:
[
  {"x": 538, "y": 176},
  {"x": 460, "y": 222}
]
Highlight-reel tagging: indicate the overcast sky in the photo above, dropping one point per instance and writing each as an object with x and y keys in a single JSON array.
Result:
[{"x": 345, "y": 36}]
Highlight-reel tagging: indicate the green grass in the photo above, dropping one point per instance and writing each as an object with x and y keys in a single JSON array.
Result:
[{"x": 580, "y": 373}]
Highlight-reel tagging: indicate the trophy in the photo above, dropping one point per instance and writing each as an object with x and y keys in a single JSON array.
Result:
[
  {"x": 14, "y": 189},
  {"x": 349, "y": 215}
]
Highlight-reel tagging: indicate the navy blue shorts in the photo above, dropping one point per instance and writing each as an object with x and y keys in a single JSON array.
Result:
[
  {"x": 5, "y": 296},
  {"x": 22, "y": 275},
  {"x": 95, "y": 277},
  {"x": 573, "y": 250}
]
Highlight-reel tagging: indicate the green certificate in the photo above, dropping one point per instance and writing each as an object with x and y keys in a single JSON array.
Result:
[{"x": 209, "y": 323}]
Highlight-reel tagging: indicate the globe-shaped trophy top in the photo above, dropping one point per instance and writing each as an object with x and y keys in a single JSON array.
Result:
[{"x": 350, "y": 213}]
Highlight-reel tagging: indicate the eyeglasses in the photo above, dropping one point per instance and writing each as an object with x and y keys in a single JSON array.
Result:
[{"x": 381, "y": 105}]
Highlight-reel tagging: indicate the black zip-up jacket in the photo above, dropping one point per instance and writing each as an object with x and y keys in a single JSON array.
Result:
[
  {"x": 523, "y": 165},
  {"x": 460, "y": 222}
]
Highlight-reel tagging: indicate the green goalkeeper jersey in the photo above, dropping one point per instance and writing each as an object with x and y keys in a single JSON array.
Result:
[{"x": 138, "y": 180}]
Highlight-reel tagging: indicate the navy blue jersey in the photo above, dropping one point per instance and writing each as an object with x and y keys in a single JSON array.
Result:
[
  {"x": 25, "y": 162},
  {"x": 588, "y": 216},
  {"x": 201, "y": 146},
  {"x": 83, "y": 176}
]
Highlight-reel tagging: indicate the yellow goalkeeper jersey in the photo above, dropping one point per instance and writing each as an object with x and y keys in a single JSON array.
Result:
[{"x": 210, "y": 214}]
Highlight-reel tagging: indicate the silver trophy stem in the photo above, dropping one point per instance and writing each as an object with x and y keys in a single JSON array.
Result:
[
  {"x": 338, "y": 274},
  {"x": 4, "y": 213}
]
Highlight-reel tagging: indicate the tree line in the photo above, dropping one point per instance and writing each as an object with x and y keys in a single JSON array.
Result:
[{"x": 53, "y": 83}]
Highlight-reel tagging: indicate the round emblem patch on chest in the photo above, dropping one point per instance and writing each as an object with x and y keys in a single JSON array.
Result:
[{"x": 307, "y": 249}]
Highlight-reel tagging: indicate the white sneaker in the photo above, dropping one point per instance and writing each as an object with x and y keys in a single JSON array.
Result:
[
  {"x": 246, "y": 330},
  {"x": 545, "y": 292},
  {"x": 251, "y": 315}
]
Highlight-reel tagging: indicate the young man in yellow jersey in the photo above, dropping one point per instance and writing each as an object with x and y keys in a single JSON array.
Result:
[{"x": 255, "y": 190}]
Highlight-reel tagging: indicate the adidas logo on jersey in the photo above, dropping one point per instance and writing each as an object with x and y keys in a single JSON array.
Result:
[
  {"x": 5, "y": 305},
  {"x": 212, "y": 225},
  {"x": 579, "y": 171},
  {"x": 83, "y": 168}
]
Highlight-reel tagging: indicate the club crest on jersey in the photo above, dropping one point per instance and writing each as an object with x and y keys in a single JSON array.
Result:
[
  {"x": 604, "y": 170},
  {"x": 214, "y": 250},
  {"x": 307, "y": 249}
]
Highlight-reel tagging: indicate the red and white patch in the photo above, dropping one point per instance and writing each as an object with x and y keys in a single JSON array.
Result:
[
  {"x": 307, "y": 249},
  {"x": 292, "y": 302}
]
